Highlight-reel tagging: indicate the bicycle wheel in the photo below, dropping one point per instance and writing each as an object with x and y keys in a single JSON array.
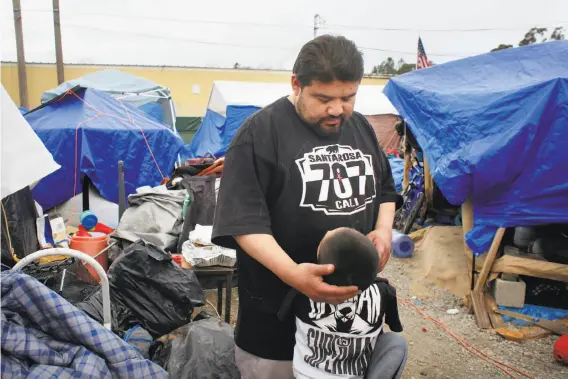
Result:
[{"x": 413, "y": 213}]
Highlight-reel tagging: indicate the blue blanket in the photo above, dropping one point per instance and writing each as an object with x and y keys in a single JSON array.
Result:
[{"x": 44, "y": 336}]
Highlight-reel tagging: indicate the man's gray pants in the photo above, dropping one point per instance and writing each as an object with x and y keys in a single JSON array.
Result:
[{"x": 387, "y": 362}]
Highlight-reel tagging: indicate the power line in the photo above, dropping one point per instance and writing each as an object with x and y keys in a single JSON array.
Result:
[
  {"x": 180, "y": 39},
  {"x": 429, "y": 53},
  {"x": 226, "y": 44},
  {"x": 319, "y": 23},
  {"x": 353, "y": 27},
  {"x": 176, "y": 20},
  {"x": 272, "y": 47}
]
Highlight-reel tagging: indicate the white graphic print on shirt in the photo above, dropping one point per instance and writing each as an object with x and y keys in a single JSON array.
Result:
[
  {"x": 338, "y": 339},
  {"x": 337, "y": 180}
]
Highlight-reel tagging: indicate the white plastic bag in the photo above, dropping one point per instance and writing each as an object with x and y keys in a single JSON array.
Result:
[{"x": 212, "y": 255}]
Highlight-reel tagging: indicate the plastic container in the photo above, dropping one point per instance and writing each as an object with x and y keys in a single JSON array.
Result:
[
  {"x": 402, "y": 245},
  {"x": 92, "y": 246},
  {"x": 89, "y": 220}
]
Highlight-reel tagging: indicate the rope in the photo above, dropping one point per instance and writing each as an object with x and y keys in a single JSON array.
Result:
[
  {"x": 10, "y": 247},
  {"x": 214, "y": 308},
  {"x": 499, "y": 365},
  {"x": 145, "y": 139}
]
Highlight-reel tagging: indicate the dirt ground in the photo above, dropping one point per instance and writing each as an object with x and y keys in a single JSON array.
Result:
[{"x": 434, "y": 353}]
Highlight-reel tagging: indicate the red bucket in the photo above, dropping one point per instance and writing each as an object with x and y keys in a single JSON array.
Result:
[{"x": 92, "y": 246}]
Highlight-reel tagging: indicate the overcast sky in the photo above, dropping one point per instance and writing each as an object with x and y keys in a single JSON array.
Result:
[{"x": 268, "y": 34}]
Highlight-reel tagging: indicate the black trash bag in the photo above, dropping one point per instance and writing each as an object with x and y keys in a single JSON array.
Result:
[
  {"x": 22, "y": 214},
  {"x": 201, "y": 210},
  {"x": 121, "y": 317},
  {"x": 155, "y": 289},
  {"x": 73, "y": 282},
  {"x": 202, "y": 349}
]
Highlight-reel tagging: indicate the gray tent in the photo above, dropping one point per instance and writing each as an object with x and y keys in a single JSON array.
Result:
[{"x": 134, "y": 90}]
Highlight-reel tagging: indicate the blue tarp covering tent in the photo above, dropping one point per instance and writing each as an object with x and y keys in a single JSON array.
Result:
[
  {"x": 88, "y": 132},
  {"x": 231, "y": 103},
  {"x": 216, "y": 131},
  {"x": 494, "y": 128}
]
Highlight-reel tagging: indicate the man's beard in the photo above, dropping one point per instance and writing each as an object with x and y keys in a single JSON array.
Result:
[{"x": 317, "y": 125}]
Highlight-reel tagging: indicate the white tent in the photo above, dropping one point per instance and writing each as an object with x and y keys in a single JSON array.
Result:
[
  {"x": 24, "y": 159},
  {"x": 370, "y": 98}
]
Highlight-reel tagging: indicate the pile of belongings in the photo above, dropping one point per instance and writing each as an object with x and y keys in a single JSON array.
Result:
[
  {"x": 204, "y": 348},
  {"x": 147, "y": 288},
  {"x": 43, "y": 335},
  {"x": 154, "y": 215},
  {"x": 198, "y": 167},
  {"x": 199, "y": 251}
]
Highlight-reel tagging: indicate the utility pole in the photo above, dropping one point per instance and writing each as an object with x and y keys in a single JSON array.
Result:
[
  {"x": 316, "y": 24},
  {"x": 22, "y": 77},
  {"x": 58, "y": 47}
]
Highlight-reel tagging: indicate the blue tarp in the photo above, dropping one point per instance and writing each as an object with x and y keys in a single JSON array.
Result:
[
  {"x": 216, "y": 131},
  {"x": 104, "y": 134},
  {"x": 494, "y": 128},
  {"x": 397, "y": 168},
  {"x": 535, "y": 311}
]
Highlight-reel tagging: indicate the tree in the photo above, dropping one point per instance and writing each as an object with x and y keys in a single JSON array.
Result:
[
  {"x": 536, "y": 35},
  {"x": 502, "y": 47},
  {"x": 558, "y": 34},
  {"x": 406, "y": 67},
  {"x": 236, "y": 66},
  {"x": 385, "y": 68},
  {"x": 531, "y": 36}
]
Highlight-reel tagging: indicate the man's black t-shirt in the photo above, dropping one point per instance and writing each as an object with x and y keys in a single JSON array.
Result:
[{"x": 282, "y": 178}]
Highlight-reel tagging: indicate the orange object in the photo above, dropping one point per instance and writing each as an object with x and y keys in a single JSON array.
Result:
[
  {"x": 213, "y": 168},
  {"x": 92, "y": 246},
  {"x": 99, "y": 228}
]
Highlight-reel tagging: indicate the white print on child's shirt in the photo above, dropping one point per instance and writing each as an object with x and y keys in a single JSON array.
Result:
[
  {"x": 330, "y": 347},
  {"x": 337, "y": 180},
  {"x": 358, "y": 315}
]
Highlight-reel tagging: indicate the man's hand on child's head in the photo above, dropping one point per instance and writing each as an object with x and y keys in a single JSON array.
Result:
[
  {"x": 308, "y": 279},
  {"x": 382, "y": 239}
]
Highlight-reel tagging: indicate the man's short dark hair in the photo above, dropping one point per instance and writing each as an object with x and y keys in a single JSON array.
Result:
[
  {"x": 328, "y": 58},
  {"x": 354, "y": 256}
]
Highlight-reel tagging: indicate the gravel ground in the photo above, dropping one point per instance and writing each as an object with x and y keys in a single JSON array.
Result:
[{"x": 433, "y": 353}]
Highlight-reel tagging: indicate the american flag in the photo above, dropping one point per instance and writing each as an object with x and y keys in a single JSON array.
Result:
[{"x": 422, "y": 59}]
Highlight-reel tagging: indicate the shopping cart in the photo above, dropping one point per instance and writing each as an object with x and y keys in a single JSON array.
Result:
[{"x": 80, "y": 256}]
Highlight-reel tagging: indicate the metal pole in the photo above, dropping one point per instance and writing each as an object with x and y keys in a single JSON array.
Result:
[
  {"x": 316, "y": 25},
  {"x": 58, "y": 47},
  {"x": 121, "y": 190},
  {"x": 22, "y": 77}
]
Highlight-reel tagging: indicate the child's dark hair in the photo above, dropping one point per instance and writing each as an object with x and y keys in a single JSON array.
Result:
[{"x": 354, "y": 256}]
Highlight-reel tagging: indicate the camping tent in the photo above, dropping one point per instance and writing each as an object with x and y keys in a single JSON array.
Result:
[
  {"x": 24, "y": 158},
  {"x": 152, "y": 98},
  {"x": 493, "y": 129},
  {"x": 88, "y": 132},
  {"x": 230, "y": 103}
]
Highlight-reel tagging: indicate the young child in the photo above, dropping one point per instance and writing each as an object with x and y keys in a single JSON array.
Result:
[{"x": 337, "y": 341}]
